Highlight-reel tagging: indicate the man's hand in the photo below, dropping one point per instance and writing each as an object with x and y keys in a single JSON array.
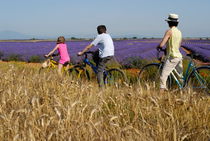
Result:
[
  {"x": 79, "y": 53},
  {"x": 46, "y": 55},
  {"x": 86, "y": 49}
]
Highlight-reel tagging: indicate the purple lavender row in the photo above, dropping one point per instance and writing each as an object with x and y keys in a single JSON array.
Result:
[
  {"x": 144, "y": 49},
  {"x": 199, "y": 49}
]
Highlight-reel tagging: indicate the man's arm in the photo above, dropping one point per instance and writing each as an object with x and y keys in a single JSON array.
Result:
[
  {"x": 85, "y": 49},
  {"x": 165, "y": 38}
]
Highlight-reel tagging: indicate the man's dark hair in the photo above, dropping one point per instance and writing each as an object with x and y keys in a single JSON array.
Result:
[
  {"x": 101, "y": 29},
  {"x": 173, "y": 24}
]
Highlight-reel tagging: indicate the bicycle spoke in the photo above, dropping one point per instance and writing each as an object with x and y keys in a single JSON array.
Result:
[
  {"x": 199, "y": 80},
  {"x": 115, "y": 77},
  {"x": 150, "y": 76},
  {"x": 79, "y": 73}
]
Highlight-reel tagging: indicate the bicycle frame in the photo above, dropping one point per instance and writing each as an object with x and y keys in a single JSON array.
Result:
[
  {"x": 94, "y": 68},
  {"x": 52, "y": 64},
  {"x": 86, "y": 61},
  {"x": 191, "y": 68}
]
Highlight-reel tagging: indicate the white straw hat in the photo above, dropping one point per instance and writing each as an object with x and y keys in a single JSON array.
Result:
[{"x": 173, "y": 18}]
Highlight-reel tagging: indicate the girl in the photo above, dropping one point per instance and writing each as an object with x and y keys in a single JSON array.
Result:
[{"x": 63, "y": 52}]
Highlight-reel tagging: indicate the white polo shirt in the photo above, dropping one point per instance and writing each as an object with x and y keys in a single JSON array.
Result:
[{"x": 106, "y": 45}]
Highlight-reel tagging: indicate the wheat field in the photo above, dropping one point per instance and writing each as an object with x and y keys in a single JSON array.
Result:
[{"x": 49, "y": 107}]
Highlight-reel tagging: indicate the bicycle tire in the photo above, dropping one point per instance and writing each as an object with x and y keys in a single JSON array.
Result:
[
  {"x": 51, "y": 69},
  {"x": 199, "y": 80},
  {"x": 115, "y": 76},
  {"x": 149, "y": 75},
  {"x": 41, "y": 70},
  {"x": 46, "y": 70},
  {"x": 79, "y": 72}
]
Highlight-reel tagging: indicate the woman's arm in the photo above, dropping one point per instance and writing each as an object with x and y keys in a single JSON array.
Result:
[
  {"x": 52, "y": 51},
  {"x": 165, "y": 38}
]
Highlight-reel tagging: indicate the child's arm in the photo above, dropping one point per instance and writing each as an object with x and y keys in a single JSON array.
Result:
[{"x": 52, "y": 51}]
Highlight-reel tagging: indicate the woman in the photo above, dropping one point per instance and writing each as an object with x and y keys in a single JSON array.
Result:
[{"x": 172, "y": 39}]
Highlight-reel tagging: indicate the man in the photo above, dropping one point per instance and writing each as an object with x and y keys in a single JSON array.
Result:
[
  {"x": 172, "y": 39},
  {"x": 106, "y": 51}
]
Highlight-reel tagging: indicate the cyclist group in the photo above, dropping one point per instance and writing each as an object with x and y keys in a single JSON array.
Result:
[{"x": 172, "y": 39}]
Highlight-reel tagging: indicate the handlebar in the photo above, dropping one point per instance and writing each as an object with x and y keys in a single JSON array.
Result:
[
  {"x": 51, "y": 56},
  {"x": 87, "y": 52},
  {"x": 190, "y": 53},
  {"x": 159, "y": 55},
  {"x": 194, "y": 56},
  {"x": 161, "y": 50}
]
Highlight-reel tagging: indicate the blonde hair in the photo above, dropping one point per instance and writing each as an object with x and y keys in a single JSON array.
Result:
[{"x": 60, "y": 40}]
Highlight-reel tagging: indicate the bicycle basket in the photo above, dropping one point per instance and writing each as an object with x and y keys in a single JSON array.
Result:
[{"x": 46, "y": 63}]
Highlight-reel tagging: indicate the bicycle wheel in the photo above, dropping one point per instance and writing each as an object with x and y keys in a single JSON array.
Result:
[
  {"x": 46, "y": 70},
  {"x": 79, "y": 72},
  {"x": 199, "y": 80},
  {"x": 150, "y": 75},
  {"x": 41, "y": 70},
  {"x": 114, "y": 77}
]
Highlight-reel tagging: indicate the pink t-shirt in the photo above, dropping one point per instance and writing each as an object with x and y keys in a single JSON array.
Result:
[{"x": 64, "y": 55}]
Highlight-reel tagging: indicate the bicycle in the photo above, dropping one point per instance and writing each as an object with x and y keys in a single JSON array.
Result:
[
  {"x": 50, "y": 64},
  {"x": 197, "y": 78},
  {"x": 111, "y": 76},
  {"x": 76, "y": 71}
]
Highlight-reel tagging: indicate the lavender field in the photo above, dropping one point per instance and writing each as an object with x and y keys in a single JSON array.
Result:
[
  {"x": 49, "y": 107},
  {"x": 124, "y": 49}
]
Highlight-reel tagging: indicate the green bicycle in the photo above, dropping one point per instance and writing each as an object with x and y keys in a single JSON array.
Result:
[{"x": 197, "y": 78}]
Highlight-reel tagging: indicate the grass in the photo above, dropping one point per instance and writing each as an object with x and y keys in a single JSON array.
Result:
[{"x": 49, "y": 107}]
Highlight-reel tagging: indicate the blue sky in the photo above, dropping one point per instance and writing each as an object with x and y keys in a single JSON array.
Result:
[{"x": 143, "y": 18}]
